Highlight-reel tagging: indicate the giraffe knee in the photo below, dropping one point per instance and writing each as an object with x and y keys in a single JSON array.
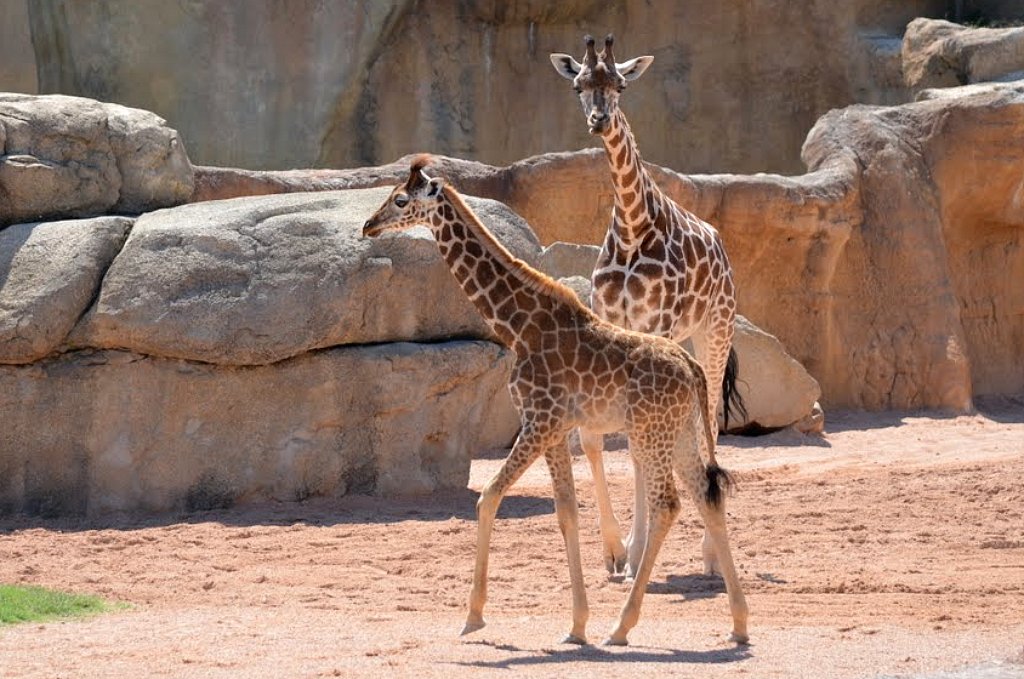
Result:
[{"x": 488, "y": 501}]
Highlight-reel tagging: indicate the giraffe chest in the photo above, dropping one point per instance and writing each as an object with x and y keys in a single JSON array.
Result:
[{"x": 657, "y": 287}]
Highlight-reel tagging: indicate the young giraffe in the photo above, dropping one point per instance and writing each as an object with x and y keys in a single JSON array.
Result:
[
  {"x": 573, "y": 369},
  {"x": 661, "y": 271}
]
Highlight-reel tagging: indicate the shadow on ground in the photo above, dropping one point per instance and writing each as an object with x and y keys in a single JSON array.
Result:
[
  {"x": 596, "y": 654},
  {"x": 351, "y": 509}
]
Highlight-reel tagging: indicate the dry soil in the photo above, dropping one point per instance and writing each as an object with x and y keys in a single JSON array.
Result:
[{"x": 893, "y": 545}]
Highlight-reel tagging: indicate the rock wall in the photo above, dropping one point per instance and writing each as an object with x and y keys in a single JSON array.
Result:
[
  {"x": 90, "y": 432},
  {"x": 17, "y": 58},
  {"x": 254, "y": 348},
  {"x": 891, "y": 270},
  {"x": 735, "y": 85}
]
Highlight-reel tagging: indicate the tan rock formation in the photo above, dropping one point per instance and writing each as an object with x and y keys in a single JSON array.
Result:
[
  {"x": 93, "y": 432},
  {"x": 890, "y": 270},
  {"x": 735, "y": 85}
]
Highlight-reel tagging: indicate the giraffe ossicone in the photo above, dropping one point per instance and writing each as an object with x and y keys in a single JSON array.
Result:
[
  {"x": 573, "y": 369},
  {"x": 661, "y": 270}
]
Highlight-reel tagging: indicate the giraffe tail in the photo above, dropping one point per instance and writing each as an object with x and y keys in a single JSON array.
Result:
[
  {"x": 720, "y": 484},
  {"x": 730, "y": 396}
]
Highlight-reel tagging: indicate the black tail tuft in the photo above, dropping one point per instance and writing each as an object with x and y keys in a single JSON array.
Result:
[
  {"x": 720, "y": 484},
  {"x": 731, "y": 397}
]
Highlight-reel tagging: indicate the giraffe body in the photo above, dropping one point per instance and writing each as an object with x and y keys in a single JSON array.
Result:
[
  {"x": 575, "y": 370},
  {"x": 661, "y": 270}
]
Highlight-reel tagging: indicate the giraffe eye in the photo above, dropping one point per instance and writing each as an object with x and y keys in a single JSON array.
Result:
[{"x": 401, "y": 200}]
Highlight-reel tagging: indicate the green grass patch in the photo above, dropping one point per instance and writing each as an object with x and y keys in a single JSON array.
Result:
[{"x": 34, "y": 604}]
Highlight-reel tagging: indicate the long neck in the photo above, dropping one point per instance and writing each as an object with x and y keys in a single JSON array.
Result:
[
  {"x": 517, "y": 301},
  {"x": 638, "y": 200}
]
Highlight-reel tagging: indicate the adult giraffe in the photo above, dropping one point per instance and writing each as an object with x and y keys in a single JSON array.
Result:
[{"x": 662, "y": 271}]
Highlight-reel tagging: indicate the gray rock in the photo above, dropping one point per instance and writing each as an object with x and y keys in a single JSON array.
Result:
[
  {"x": 155, "y": 171},
  {"x": 49, "y": 274},
  {"x": 581, "y": 285},
  {"x": 72, "y": 157},
  {"x": 563, "y": 260},
  {"x": 255, "y": 280},
  {"x": 939, "y": 53},
  {"x": 138, "y": 433},
  {"x": 776, "y": 389}
]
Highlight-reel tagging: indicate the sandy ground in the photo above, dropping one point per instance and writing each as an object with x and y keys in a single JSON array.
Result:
[{"x": 892, "y": 546}]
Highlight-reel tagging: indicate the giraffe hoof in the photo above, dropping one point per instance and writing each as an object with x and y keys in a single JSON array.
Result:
[
  {"x": 712, "y": 569},
  {"x": 739, "y": 639},
  {"x": 472, "y": 626},
  {"x": 615, "y": 565},
  {"x": 573, "y": 639},
  {"x": 616, "y": 641}
]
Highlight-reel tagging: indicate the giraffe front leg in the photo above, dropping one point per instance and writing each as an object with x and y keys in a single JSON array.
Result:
[
  {"x": 524, "y": 452},
  {"x": 567, "y": 510},
  {"x": 614, "y": 551}
]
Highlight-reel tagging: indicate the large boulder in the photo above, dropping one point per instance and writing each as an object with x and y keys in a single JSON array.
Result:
[
  {"x": 257, "y": 280},
  {"x": 49, "y": 275},
  {"x": 776, "y": 390},
  {"x": 72, "y": 157},
  {"x": 939, "y": 53},
  {"x": 93, "y": 432}
]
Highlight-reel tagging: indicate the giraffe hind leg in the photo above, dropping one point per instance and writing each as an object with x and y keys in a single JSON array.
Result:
[
  {"x": 708, "y": 485},
  {"x": 662, "y": 497},
  {"x": 614, "y": 551}
]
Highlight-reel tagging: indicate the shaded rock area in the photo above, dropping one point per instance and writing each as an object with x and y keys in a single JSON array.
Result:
[
  {"x": 943, "y": 54},
  {"x": 890, "y": 269},
  {"x": 735, "y": 86},
  {"x": 91, "y": 432},
  {"x": 71, "y": 157}
]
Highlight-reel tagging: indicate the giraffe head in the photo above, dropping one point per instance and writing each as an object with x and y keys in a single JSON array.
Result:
[
  {"x": 599, "y": 80},
  {"x": 411, "y": 203}
]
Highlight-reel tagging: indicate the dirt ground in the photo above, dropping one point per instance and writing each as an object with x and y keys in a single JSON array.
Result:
[{"x": 893, "y": 545}]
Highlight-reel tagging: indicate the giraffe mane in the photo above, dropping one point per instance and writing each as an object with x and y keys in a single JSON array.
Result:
[{"x": 534, "y": 280}]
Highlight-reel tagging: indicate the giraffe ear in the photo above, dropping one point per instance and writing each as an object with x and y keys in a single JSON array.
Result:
[
  {"x": 566, "y": 66},
  {"x": 634, "y": 68},
  {"x": 434, "y": 187}
]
